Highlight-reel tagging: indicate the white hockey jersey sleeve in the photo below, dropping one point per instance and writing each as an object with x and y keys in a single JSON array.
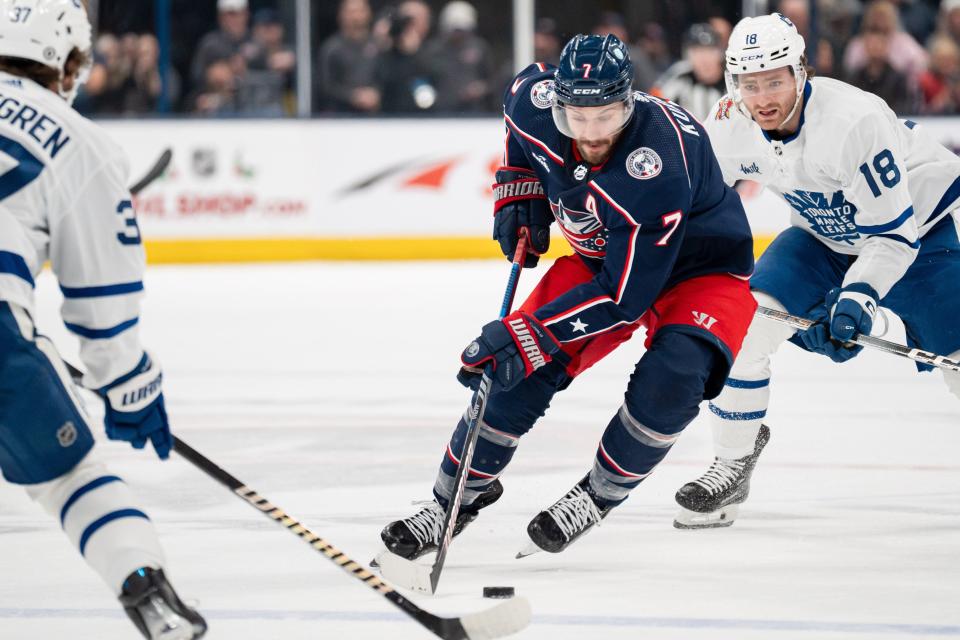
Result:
[
  {"x": 874, "y": 177},
  {"x": 97, "y": 255}
]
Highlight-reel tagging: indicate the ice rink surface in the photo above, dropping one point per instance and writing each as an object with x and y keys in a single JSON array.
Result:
[{"x": 329, "y": 388}]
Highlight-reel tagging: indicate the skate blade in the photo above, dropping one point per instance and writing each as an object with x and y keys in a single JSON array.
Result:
[
  {"x": 405, "y": 573},
  {"x": 528, "y": 550},
  {"x": 724, "y": 517}
]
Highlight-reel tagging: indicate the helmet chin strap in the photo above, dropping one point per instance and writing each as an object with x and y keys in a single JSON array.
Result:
[{"x": 801, "y": 75}]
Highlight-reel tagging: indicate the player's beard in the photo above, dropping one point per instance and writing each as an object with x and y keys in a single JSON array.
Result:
[
  {"x": 771, "y": 115},
  {"x": 595, "y": 151}
]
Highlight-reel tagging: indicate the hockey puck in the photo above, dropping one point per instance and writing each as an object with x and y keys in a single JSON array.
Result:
[{"x": 498, "y": 592}]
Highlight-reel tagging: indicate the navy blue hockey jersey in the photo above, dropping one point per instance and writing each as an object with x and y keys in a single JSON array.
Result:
[{"x": 657, "y": 212}]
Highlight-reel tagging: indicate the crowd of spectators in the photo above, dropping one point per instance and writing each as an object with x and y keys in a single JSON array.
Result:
[{"x": 404, "y": 59}]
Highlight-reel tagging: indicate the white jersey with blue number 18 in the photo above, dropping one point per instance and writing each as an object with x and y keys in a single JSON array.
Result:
[
  {"x": 860, "y": 180},
  {"x": 63, "y": 198}
]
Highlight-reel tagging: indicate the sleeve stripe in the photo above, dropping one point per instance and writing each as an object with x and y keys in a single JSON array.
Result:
[
  {"x": 628, "y": 267},
  {"x": 101, "y": 291},
  {"x": 880, "y": 228},
  {"x": 14, "y": 264},
  {"x": 892, "y": 236},
  {"x": 553, "y": 156},
  {"x": 101, "y": 334},
  {"x": 578, "y": 309},
  {"x": 949, "y": 197}
]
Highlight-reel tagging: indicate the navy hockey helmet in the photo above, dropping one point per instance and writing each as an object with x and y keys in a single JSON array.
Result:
[{"x": 594, "y": 71}]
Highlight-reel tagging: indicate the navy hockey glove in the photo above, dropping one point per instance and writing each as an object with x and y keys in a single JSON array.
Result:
[
  {"x": 517, "y": 346},
  {"x": 519, "y": 202},
  {"x": 852, "y": 310},
  {"x": 135, "y": 410}
]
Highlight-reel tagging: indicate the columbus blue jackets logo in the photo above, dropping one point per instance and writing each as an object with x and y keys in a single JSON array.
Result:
[
  {"x": 541, "y": 94},
  {"x": 582, "y": 229},
  {"x": 644, "y": 163}
]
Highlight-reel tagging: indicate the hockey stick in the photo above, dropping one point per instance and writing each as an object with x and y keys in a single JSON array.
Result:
[
  {"x": 918, "y": 355},
  {"x": 501, "y": 620},
  {"x": 418, "y": 577},
  {"x": 155, "y": 171}
]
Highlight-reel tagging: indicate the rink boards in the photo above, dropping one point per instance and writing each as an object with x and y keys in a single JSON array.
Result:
[{"x": 369, "y": 189}]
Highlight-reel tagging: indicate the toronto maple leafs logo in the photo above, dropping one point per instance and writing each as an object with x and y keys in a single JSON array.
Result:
[
  {"x": 541, "y": 94},
  {"x": 582, "y": 229},
  {"x": 829, "y": 216},
  {"x": 644, "y": 163}
]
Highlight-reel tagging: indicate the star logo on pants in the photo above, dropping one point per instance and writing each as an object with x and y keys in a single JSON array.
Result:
[{"x": 579, "y": 326}]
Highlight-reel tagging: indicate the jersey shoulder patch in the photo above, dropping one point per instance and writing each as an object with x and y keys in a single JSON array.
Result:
[{"x": 723, "y": 109}]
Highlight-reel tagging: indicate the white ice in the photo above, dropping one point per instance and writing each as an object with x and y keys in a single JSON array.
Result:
[{"x": 329, "y": 388}]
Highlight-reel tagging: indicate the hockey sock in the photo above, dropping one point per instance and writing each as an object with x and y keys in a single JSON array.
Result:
[
  {"x": 495, "y": 449},
  {"x": 101, "y": 517}
]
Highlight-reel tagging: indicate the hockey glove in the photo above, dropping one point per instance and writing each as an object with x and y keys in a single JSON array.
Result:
[
  {"x": 519, "y": 202},
  {"x": 517, "y": 346},
  {"x": 852, "y": 310},
  {"x": 135, "y": 409}
]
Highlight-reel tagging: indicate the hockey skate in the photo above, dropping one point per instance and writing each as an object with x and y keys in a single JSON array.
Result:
[
  {"x": 570, "y": 517},
  {"x": 419, "y": 534},
  {"x": 156, "y": 609},
  {"x": 714, "y": 499}
]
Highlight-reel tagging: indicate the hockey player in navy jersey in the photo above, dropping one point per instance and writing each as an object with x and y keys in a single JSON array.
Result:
[
  {"x": 63, "y": 198},
  {"x": 660, "y": 242},
  {"x": 871, "y": 198}
]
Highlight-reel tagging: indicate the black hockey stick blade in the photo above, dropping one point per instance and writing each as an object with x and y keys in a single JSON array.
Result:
[
  {"x": 499, "y": 621},
  {"x": 917, "y": 355},
  {"x": 155, "y": 171}
]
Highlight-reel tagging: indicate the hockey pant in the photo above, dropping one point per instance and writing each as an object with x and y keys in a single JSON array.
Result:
[{"x": 46, "y": 446}]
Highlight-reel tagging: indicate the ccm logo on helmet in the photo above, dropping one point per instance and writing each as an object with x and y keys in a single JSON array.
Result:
[
  {"x": 586, "y": 92},
  {"x": 755, "y": 56}
]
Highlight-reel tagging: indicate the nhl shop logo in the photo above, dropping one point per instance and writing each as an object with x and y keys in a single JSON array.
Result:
[
  {"x": 541, "y": 94},
  {"x": 644, "y": 163}
]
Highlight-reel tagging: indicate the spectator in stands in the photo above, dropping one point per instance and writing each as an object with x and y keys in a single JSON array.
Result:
[
  {"x": 546, "y": 42},
  {"x": 224, "y": 43},
  {"x": 644, "y": 73},
  {"x": 950, "y": 20},
  {"x": 347, "y": 61},
  {"x": 108, "y": 75},
  {"x": 653, "y": 42},
  {"x": 723, "y": 28},
  {"x": 918, "y": 18},
  {"x": 878, "y": 77},
  {"x": 217, "y": 96},
  {"x": 269, "y": 67},
  {"x": 905, "y": 55},
  {"x": 143, "y": 86},
  {"x": 402, "y": 70},
  {"x": 940, "y": 84},
  {"x": 696, "y": 83},
  {"x": 461, "y": 65}
]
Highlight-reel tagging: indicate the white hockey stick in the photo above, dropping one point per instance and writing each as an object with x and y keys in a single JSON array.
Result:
[{"x": 917, "y": 355}]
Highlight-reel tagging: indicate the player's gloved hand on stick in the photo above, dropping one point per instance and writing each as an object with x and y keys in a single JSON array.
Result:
[
  {"x": 517, "y": 346},
  {"x": 135, "y": 409},
  {"x": 519, "y": 202},
  {"x": 846, "y": 312}
]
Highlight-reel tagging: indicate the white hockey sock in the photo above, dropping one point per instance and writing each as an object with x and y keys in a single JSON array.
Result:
[
  {"x": 737, "y": 413},
  {"x": 101, "y": 517}
]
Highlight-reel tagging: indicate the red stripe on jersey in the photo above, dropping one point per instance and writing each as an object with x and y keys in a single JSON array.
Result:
[
  {"x": 553, "y": 156},
  {"x": 628, "y": 267},
  {"x": 577, "y": 309},
  {"x": 541, "y": 66}
]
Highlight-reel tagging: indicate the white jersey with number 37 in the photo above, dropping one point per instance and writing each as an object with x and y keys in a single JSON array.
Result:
[
  {"x": 63, "y": 198},
  {"x": 860, "y": 180}
]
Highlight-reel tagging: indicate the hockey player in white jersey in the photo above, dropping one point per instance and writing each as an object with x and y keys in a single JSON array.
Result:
[
  {"x": 871, "y": 199},
  {"x": 63, "y": 198}
]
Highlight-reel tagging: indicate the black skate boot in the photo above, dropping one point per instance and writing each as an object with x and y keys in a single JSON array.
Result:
[
  {"x": 569, "y": 518},
  {"x": 713, "y": 499},
  {"x": 412, "y": 537},
  {"x": 156, "y": 609}
]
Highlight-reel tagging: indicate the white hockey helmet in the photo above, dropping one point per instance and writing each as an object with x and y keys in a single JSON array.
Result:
[
  {"x": 761, "y": 44},
  {"x": 46, "y": 31}
]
